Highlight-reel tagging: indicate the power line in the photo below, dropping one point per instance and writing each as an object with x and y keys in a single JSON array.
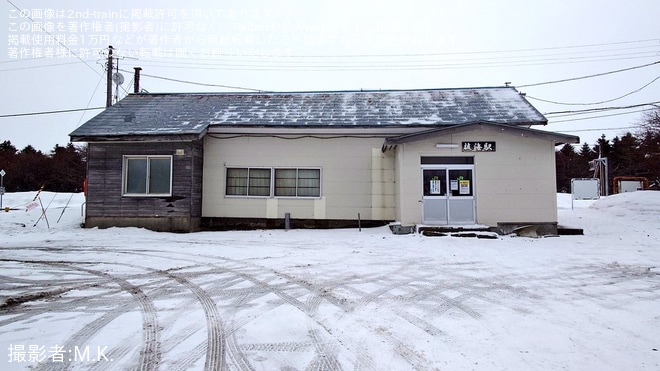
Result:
[
  {"x": 599, "y": 129},
  {"x": 476, "y": 52},
  {"x": 90, "y": 100},
  {"x": 232, "y": 61},
  {"x": 597, "y": 117},
  {"x": 42, "y": 66},
  {"x": 50, "y": 112},
  {"x": 199, "y": 83},
  {"x": 592, "y": 110},
  {"x": 594, "y": 103},
  {"x": 286, "y": 59},
  {"x": 392, "y": 65},
  {"x": 324, "y": 64},
  {"x": 590, "y": 76},
  {"x": 401, "y": 55}
]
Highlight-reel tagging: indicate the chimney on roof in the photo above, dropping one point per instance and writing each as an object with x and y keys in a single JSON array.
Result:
[{"x": 136, "y": 80}]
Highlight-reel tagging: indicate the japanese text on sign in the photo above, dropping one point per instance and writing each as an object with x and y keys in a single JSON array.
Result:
[{"x": 478, "y": 146}]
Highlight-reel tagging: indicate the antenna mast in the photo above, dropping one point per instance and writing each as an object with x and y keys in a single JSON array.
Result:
[{"x": 118, "y": 80}]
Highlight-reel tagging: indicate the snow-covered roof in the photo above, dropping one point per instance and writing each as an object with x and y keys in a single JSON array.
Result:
[{"x": 192, "y": 113}]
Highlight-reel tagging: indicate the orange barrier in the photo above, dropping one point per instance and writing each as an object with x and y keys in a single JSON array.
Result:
[{"x": 617, "y": 179}]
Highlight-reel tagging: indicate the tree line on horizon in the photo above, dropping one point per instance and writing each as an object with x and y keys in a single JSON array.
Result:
[
  {"x": 62, "y": 170},
  {"x": 633, "y": 154}
]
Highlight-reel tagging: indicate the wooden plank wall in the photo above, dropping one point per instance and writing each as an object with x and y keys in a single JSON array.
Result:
[{"x": 104, "y": 181}]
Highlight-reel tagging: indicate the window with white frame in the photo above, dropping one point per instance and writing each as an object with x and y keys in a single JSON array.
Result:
[
  {"x": 297, "y": 182},
  {"x": 147, "y": 176},
  {"x": 278, "y": 182},
  {"x": 248, "y": 182}
]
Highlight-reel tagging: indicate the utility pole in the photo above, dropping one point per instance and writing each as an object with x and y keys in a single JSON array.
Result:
[
  {"x": 108, "y": 100},
  {"x": 601, "y": 171}
]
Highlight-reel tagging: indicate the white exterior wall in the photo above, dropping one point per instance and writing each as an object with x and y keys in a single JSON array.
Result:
[
  {"x": 516, "y": 183},
  {"x": 519, "y": 185},
  {"x": 356, "y": 177}
]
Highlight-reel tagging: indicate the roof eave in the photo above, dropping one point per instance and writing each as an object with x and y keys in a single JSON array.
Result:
[
  {"x": 149, "y": 137},
  {"x": 557, "y": 138}
]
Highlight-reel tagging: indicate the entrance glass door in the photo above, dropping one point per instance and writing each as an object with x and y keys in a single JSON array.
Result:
[
  {"x": 460, "y": 202},
  {"x": 448, "y": 194},
  {"x": 434, "y": 201}
]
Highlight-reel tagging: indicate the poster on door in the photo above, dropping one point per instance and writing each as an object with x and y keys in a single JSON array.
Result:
[
  {"x": 464, "y": 187},
  {"x": 435, "y": 187}
]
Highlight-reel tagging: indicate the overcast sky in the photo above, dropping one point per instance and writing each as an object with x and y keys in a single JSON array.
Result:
[{"x": 329, "y": 45}]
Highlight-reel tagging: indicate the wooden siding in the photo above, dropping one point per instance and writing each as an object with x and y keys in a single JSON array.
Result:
[{"x": 104, "y": 183}]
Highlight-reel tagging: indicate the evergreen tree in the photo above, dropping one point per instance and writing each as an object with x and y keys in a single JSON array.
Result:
[
  {"x": 625, "y": 157},
  {"x": 565, "y": 160},
  {"x": 585, "y": 155},
  {"x": 27, "y": 170},
  {"x": 7, "y": 163},
  {"x": 602, "y": 147},
  {"x": 7, "y": 148},
  {"x": 31, "y": 169},
  {"x": 68, "y": 169}
]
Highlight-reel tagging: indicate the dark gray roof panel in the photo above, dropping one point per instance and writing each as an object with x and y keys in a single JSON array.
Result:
[
  {"x": 144, "y": 114},
  {"x": 163, "y": 114}
]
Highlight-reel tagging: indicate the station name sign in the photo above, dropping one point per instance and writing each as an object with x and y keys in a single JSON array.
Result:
[{"x": 478, "y": 147}]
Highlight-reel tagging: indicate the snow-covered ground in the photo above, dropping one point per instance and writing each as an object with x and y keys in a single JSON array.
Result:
[{"x": 127, "y": 298}]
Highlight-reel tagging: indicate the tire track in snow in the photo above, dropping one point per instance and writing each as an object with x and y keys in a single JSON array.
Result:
[
  {"x": 125, "y": 347},
  {"x": 216, "y": 337},
  {"x": 150, "y": 353},
  {"x": 242, "y": 272},
  {"x": 249, "y": 273}
]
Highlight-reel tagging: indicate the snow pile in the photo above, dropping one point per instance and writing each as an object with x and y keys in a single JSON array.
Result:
[
  {"x": 641, "y": 205},
  {"x": 332, "y": 299}
]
